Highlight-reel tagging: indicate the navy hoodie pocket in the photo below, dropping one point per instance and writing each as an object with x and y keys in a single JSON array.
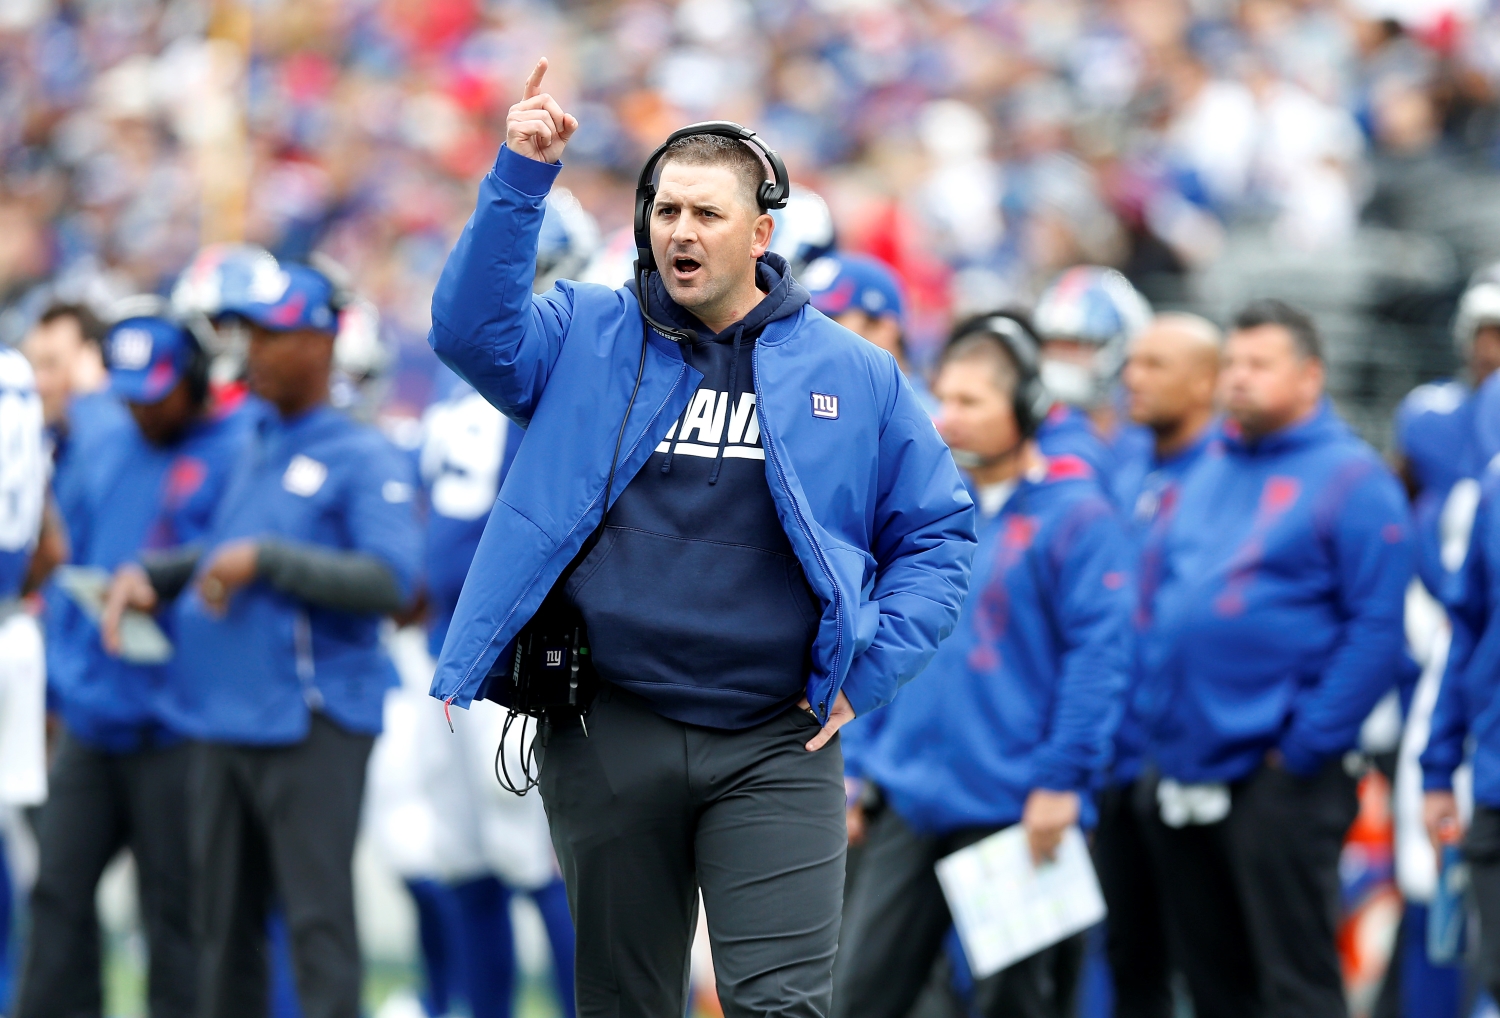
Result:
[{"x": 726, "y": 649}]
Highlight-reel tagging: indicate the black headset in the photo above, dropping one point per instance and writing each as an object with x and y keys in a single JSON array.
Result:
[
  {"x": 1011, "y": 330},
  {"x": 201, "y": 335},
  {"x": 772, "y": 194}
]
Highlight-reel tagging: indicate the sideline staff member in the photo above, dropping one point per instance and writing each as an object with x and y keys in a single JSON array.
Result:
[
  {"x": 1169, "y": 378},
  {"x": 279, "y": 667},
  {"x": 1011, "y": 721},
  {"x": 1275, "y": 628},
  {"x": 792, "y": 529},
  {"x": 120, "y": 778}
]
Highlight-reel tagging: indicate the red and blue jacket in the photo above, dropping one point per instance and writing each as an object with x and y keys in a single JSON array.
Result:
[
  {"x": 1149, "y": 504},
  {"x": 135, "y": 498},
  {"x": 1277, "y": 619},
  {"x": 1027, "y": 691}
]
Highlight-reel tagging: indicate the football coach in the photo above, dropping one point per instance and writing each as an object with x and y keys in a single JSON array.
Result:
[{"x": 787, "y": 542}]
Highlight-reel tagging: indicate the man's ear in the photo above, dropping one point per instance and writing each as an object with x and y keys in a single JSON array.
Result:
[{"x": 760, "y": 236}]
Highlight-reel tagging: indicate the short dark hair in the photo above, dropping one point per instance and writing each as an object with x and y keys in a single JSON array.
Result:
[
  {"x": 717, "y": 150},
  {"x": 1298, "y": 324},
  {"x": 89, "y": 324}
]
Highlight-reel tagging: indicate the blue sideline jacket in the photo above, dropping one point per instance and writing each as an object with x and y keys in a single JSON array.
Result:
[
  {"x": 253, "y": 676},
  {"x": 1437, "y": 432},
  {"x": 1026, "y": 693},
  {"x": 1278, "y": 618},
  {"x": 92, "y": 418},
  {"x": 867, "y": 492},
  {"x": 1149, "y": 505},
  {"x": 135, "y": 498},
  {"x": 1467, "y": 703},
  {"x": 1068, "y": 431}
]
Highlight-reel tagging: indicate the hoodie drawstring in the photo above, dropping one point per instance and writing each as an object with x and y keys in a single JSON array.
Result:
[
  {"x": 666, "y": 464},
  {"x": 734, "y": 387}
]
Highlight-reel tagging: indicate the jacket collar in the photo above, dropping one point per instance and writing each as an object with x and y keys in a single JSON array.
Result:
[
  {"x": 784, "y": 297},
  {"x": 1323, "y": 426}
]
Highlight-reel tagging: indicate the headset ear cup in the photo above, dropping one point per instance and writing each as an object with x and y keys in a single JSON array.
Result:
[{"x": 645, "y": 198}]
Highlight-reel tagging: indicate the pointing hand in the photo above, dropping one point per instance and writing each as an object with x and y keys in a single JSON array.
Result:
[{"x": 536, "y": 127}]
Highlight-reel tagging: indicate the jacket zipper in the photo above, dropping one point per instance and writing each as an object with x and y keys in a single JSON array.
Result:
[
  {"x": 838, "y": 616},
  {"x": 306, "y": 671},
  {"x": 631, "y": 452}
]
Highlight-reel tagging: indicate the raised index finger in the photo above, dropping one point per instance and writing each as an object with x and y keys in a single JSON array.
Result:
[{"x": 534, "y": 83}]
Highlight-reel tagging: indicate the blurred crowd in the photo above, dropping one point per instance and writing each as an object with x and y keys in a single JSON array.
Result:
[
  {"x": 1341, "y": 154},
  {"x": 977, "y": 147}
]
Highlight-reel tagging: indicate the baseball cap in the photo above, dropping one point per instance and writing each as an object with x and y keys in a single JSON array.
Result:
[
  {"x": 290, "y": 297},
  {"x": 845, "y": 282},
  {"x": 147, "y": 357}
]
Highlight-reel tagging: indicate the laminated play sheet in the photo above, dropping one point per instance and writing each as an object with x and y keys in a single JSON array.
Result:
[{"x": 1006, "y": 908}]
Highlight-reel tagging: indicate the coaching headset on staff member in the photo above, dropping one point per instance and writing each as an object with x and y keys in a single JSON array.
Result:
[{"x": 789, "y": 527}]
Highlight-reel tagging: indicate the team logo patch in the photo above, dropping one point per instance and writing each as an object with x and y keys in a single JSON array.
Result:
[
  {"x": 304, "y": 476},
  {"x": 825, "y": 406},
  {"x": 130, "y": 349},
  {"x": 554, "y": 659}
]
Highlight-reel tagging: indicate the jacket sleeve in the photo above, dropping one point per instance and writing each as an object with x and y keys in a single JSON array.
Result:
[
  {"x": 1370, "y": 535},
  {"x": 486, "y": 324},
  {"x": 1468, "y": 615},
  {"x": 1092, "y": 597},
  {"x": 381, "y": 515},
  {"x": 923, "y": 545}
]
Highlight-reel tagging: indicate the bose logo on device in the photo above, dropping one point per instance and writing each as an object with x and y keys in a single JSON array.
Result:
[{"x": 825, "y": 406}]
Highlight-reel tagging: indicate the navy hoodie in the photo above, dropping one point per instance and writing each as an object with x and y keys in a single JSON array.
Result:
[
  {"x": 693, "y": 597},
  {"x": 1277, "y": 619}
]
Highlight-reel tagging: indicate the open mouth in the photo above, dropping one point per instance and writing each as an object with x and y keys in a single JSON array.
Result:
[{"x": 684, "y": 267}]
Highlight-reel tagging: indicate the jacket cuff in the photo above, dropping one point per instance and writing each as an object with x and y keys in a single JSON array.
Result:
[
  {"x": 1301, "y": 760},
  {"x": 529, "y": 176},
  {"x": 1056, "y": 776},
  {"x": 1437, "y": 780},
  {"x": 862, "y": 699}
]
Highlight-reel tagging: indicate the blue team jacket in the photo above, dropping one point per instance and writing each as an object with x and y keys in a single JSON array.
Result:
[
  {"x": 253, "y": 676},
  {"x": 1068, "y": 431},
  {"x": 868, "y": 494},
  {"x": 1149, "y": 504},
  {"x": 1467, "y": 703},
  {"x": 1027, "y": 692},
  {"x": 136, "y": 497},
  {"x": 92, "y": 418},
  {"x": 1277, "y": 621}
]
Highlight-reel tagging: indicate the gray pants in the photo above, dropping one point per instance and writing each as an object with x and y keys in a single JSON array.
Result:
[
  {"x": 645, "y": 812},
  {"x": 278, "y": 820},
  {"x": 897, "y": 920},
  {"x": 100, "y": 803}
]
